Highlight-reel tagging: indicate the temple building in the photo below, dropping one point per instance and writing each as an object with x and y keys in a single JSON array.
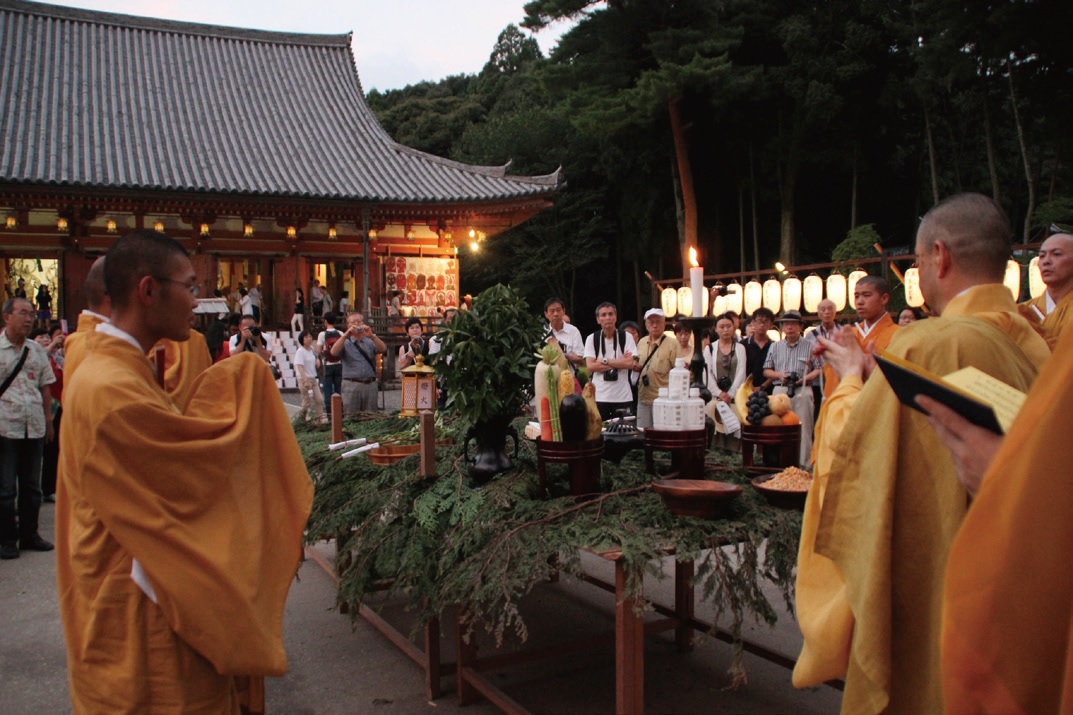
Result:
[{"x": 255, "y": 149}]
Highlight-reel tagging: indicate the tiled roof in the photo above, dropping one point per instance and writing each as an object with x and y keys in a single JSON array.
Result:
[{"x": 119, "y": 102}]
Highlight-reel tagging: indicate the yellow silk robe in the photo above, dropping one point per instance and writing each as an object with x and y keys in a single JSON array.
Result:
[
  {"x": 878, "y": 337},
  {"x": 183, "y": 362},
  {"x": 212, "y": 504},
  {"x": 1052, "y": 325},
  {"x": 1007, "y": 636},
  {"x": 74, "y": 345},
  {"x": 890, "y": 511},
  {"x": 823, "y": 610}
]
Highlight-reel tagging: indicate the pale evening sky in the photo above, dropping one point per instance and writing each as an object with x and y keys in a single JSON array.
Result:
[{"x": 396, "y": 42}]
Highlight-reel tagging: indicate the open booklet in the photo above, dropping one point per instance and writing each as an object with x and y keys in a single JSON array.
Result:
[{"x": 972, "y": 393}]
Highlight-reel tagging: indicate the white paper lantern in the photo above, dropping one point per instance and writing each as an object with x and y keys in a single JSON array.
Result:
[
  {"x": 791, "y": 293},
  {"x": 754, "y": 296},
  {"x": 669, "y": 302},
  {"x": 719, "y": 305},
  {"x": 735, "y": 298},
  {"x": 774, "y": 335},
  {"x": 851, "y": 285},
  {"x": 1013, "y": 279},
  {"x": 704, "y": 296},
  {"x": 913, "y": 297},
  {"x": 1036, "y": 286},
  {"x": 812, "y": 289},
  {"x": 685, "y": 301},
  {"x": 836, "y": 290},
  {"x": 772, "y": 294}
]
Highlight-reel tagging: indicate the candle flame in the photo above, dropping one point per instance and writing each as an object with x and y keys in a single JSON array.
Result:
[{"x": 693, "y": 257}]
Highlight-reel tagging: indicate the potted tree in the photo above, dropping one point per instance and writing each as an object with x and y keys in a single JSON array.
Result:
[{"x": 489, "y": 373}]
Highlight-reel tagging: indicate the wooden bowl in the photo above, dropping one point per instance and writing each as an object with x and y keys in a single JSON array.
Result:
[
  {"x": 779, "y": 497},
  {"x": 391, "y": 453},
  {"x": 696, "y": 497}
]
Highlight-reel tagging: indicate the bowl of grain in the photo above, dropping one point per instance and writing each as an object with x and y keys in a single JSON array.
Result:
[{"x": 786, "y": 489}]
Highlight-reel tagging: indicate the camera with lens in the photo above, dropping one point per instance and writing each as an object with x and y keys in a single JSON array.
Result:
[
  {"x": 611, "y": 375},
  {"x": 791, "y": 383},
  {"x": 255, "y": 331},
  {"x": 723, "y": 383}
]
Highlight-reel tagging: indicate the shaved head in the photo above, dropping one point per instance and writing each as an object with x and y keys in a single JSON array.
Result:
[
  {"x": 95, "y": 292},
  {"x": 136, "y": 255},
  {"x": 878, "y": 283},
  {"x": 975, "y": 230}
]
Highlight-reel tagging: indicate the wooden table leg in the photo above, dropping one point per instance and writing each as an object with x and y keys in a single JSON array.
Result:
[
  {"x": 629, "y": 649},
  {"x": 683, "y": 605},
  {"x": 467, "y": 654},
  {"x": 432, "y": 659}
]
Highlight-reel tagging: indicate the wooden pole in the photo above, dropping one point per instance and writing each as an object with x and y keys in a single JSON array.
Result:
[
  {"x": 428, "y": 444},
  {"x": 337, "y": 418}
]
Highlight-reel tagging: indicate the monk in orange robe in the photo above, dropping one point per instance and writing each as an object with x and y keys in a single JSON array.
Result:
[
  {"x": 99, "y": 307},
  {"x": 874, "y": 543},
  {"x": 184, "y": 361},
  {"x": 1007, "y": 634},
  {"x": 1052, "y": 311},
  {"x": 876, "y": 327},
  {"x": 178, "y": 532}
]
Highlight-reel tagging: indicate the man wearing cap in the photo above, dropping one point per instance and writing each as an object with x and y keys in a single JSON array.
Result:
[
  {"x": 655, "y": 358},
  {"x": 792, "y": 368}
]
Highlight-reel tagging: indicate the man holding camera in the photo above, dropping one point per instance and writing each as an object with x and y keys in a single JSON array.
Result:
[
  {"x": 792, "y": 367},
  {"x": 358, "y": 349},
  {"x": 248, "y": 339},
  {"x": 608, "y": 352}
]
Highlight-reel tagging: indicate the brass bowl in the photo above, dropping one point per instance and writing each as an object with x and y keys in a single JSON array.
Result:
[{"x": 701, "y": 498}]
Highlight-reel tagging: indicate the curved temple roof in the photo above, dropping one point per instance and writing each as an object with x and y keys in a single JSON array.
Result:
[{"x": 120, "y": 102}]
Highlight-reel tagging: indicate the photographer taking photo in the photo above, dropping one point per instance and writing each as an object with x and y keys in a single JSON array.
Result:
[
  {"x": 249, "y": 339},
  {"x": 357, "y": 349},
  {"x": 416, "y": 345}
]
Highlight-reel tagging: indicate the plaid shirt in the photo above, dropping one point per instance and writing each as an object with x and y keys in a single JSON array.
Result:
[
  {"x": 22, "y": 414},
  {"x": 798, "y": 358}
]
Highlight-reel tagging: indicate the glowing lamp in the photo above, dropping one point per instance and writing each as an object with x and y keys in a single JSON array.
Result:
[
  {"x": 754, "y": 296},
  {"x": 719, "y": 305},
  {"x": 158, "y": 226},
  {"x": 1012, "y": 280},
  {"x": 734, "y": 298},
  {"x": 791, "y": 293},
  {"x": 1036, "y": 286},
  {"x": 772, "y": 294},
  {"x": 669, "y": 302},
  {"x": 812, "y": 288},
  {"x": 685, "y": 300},
  {"x": 418, "y": 388},
  {"x": 913, "y": 297},
  {"x": 61, "y": 225},
  {"x": 855, "y": 276},
  {"x": 836, "y": 291}
]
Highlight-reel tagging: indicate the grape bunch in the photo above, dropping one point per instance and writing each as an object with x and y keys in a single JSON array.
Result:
[{"x": 758, "y": 407}]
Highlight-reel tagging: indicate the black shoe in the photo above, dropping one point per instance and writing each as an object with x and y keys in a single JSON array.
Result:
[
  {"x": 50, "y": 498},
  {"x": 35, "y": 543},
  {"x": 9, "y": 551}
]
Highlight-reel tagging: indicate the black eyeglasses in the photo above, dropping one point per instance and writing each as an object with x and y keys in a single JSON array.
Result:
[{"x": 194, "y": 290}]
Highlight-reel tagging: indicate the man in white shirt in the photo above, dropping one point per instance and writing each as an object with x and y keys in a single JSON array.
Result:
[
  {"x": 609, "y": 355},
  {"x": 255, "y": 302},
  {"x": 562, "y": 334}
]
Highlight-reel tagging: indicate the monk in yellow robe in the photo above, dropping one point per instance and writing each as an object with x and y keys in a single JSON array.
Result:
[
  {"x": 876, "y": 327},
  {"x": 1007, "y": 636},
  {"x": 99, "y": 307},
  {"x": 178, "y": 532},
  {"x": 1051, "y": 312},
  {"x": 184, "y": 361},
  {"x": 892, "y": 504}
]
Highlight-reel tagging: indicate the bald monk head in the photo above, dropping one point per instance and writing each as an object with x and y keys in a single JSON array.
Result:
[
  {"x": 95, "y": 291},
  {"x": 151, "y": 283},
  {"x": 1056, "y": 265},
  {"x": 963, "y": 241},
  {"x": 871, "y": 295}
]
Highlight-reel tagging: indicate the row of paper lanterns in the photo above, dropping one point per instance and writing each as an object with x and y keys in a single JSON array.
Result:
[
  {"x": 793, "y": 293},
  {"x": 790, "y": 294}
]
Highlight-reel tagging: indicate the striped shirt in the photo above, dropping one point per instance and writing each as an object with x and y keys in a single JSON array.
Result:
[{"x": 798, "y": 358}]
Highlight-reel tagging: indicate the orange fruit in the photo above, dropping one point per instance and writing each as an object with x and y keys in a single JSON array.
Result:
[{"x": 791, "y": 419}]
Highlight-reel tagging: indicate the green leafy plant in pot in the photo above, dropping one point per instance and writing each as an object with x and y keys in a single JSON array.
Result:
[{"x": 490, "y": 373}]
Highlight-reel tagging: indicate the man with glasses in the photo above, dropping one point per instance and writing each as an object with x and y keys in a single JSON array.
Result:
[
  {"x": 25, "y": 426},
  {"x": 757, "y": 346}
]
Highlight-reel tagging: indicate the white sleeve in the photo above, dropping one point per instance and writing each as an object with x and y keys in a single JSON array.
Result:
[
  {"x": 739, "y": 373},
  {"x": 590, "y": 351},
  {"x": 631, "y": 346}
]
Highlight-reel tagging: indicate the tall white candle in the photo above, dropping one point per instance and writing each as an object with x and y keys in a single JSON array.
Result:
[{"x": 696, "y": 284}]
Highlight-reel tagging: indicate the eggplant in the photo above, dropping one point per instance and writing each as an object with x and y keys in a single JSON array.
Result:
[{"x": 574, "y": 418}]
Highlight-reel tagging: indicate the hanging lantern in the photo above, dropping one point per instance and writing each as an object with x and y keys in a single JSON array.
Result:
[
  {"x": 418, "y": 389},
  {"x": 791, "y": 293},
  {"x": 1036, "y": 286},
  {"x": 1013, "y": 279},
  {"x": 754, "y": 296},
  {"x": 685, "y": 301},
  {"x": 855, "y": 276},
  {"x": 836, "y": 291},
  {"x": 772, "y": 294},
  {"x": 734, "y": 298},
  {"x": 813, "y": 292},
  {"x": 774, "y": 335},
  {"x": 913, "y": 297},
  {"x": 669, "y": 302},
  {"x": 719, "y": 305}
]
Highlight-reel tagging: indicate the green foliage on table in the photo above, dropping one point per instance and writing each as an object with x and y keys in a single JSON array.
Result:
[
  {"x": 441, "y": 542},
  {"x": 491, "y": 347}
]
